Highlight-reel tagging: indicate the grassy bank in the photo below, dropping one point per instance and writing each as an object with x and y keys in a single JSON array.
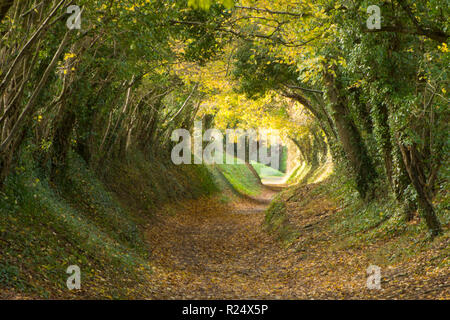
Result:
[
  {"x": 90, "y": 219},
  {"x": 328, "y": 219}
]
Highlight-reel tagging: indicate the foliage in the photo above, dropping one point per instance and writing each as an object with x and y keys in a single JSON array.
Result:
[{"x": 87, "y": 115}]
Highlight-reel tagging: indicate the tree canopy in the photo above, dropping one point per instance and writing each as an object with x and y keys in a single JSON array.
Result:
[{"x": 375, "y": 100}]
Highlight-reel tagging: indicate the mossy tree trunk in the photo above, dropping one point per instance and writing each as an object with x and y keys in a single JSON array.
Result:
[
  {"x": 415, "y": 170},
  {"x": 351, "y": 139}
]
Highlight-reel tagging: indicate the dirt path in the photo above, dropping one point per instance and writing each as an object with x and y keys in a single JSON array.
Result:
[{"x": 211, "y": 250}]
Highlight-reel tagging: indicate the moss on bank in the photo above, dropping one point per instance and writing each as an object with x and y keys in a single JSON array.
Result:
[{"x": 92, "y": 220}]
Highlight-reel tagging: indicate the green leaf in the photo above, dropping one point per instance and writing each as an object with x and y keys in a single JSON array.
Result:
[{"x": 228, "y": 4}]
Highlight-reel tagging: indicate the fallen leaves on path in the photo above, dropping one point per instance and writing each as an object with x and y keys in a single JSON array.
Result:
[{"x": 212, "y": 250}]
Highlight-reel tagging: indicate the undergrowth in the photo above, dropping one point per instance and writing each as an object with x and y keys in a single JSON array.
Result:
[
  {"x": 95, "y": 223},
  {"x": 357, "y": 224}
]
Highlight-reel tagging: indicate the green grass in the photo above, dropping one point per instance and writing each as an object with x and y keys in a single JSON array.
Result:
[
  {"x": 240, "y": 178},
  {"x": 299, "y": 173},
  {"x": 284, "y": 160},
  {"x": 277, "y": 223},
  {"x": 265, "y": 171},
  {"x": 305, "y": 173}
]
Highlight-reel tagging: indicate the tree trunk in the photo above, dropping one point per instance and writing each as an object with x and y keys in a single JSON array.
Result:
[
  {"x": 351, "y": 140},
  {"x": 61, "y": 142},
  {"x": 380, "y": 119},
  {"x": 415, "y": 172},
  {"x": 400, "y": 182}
]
